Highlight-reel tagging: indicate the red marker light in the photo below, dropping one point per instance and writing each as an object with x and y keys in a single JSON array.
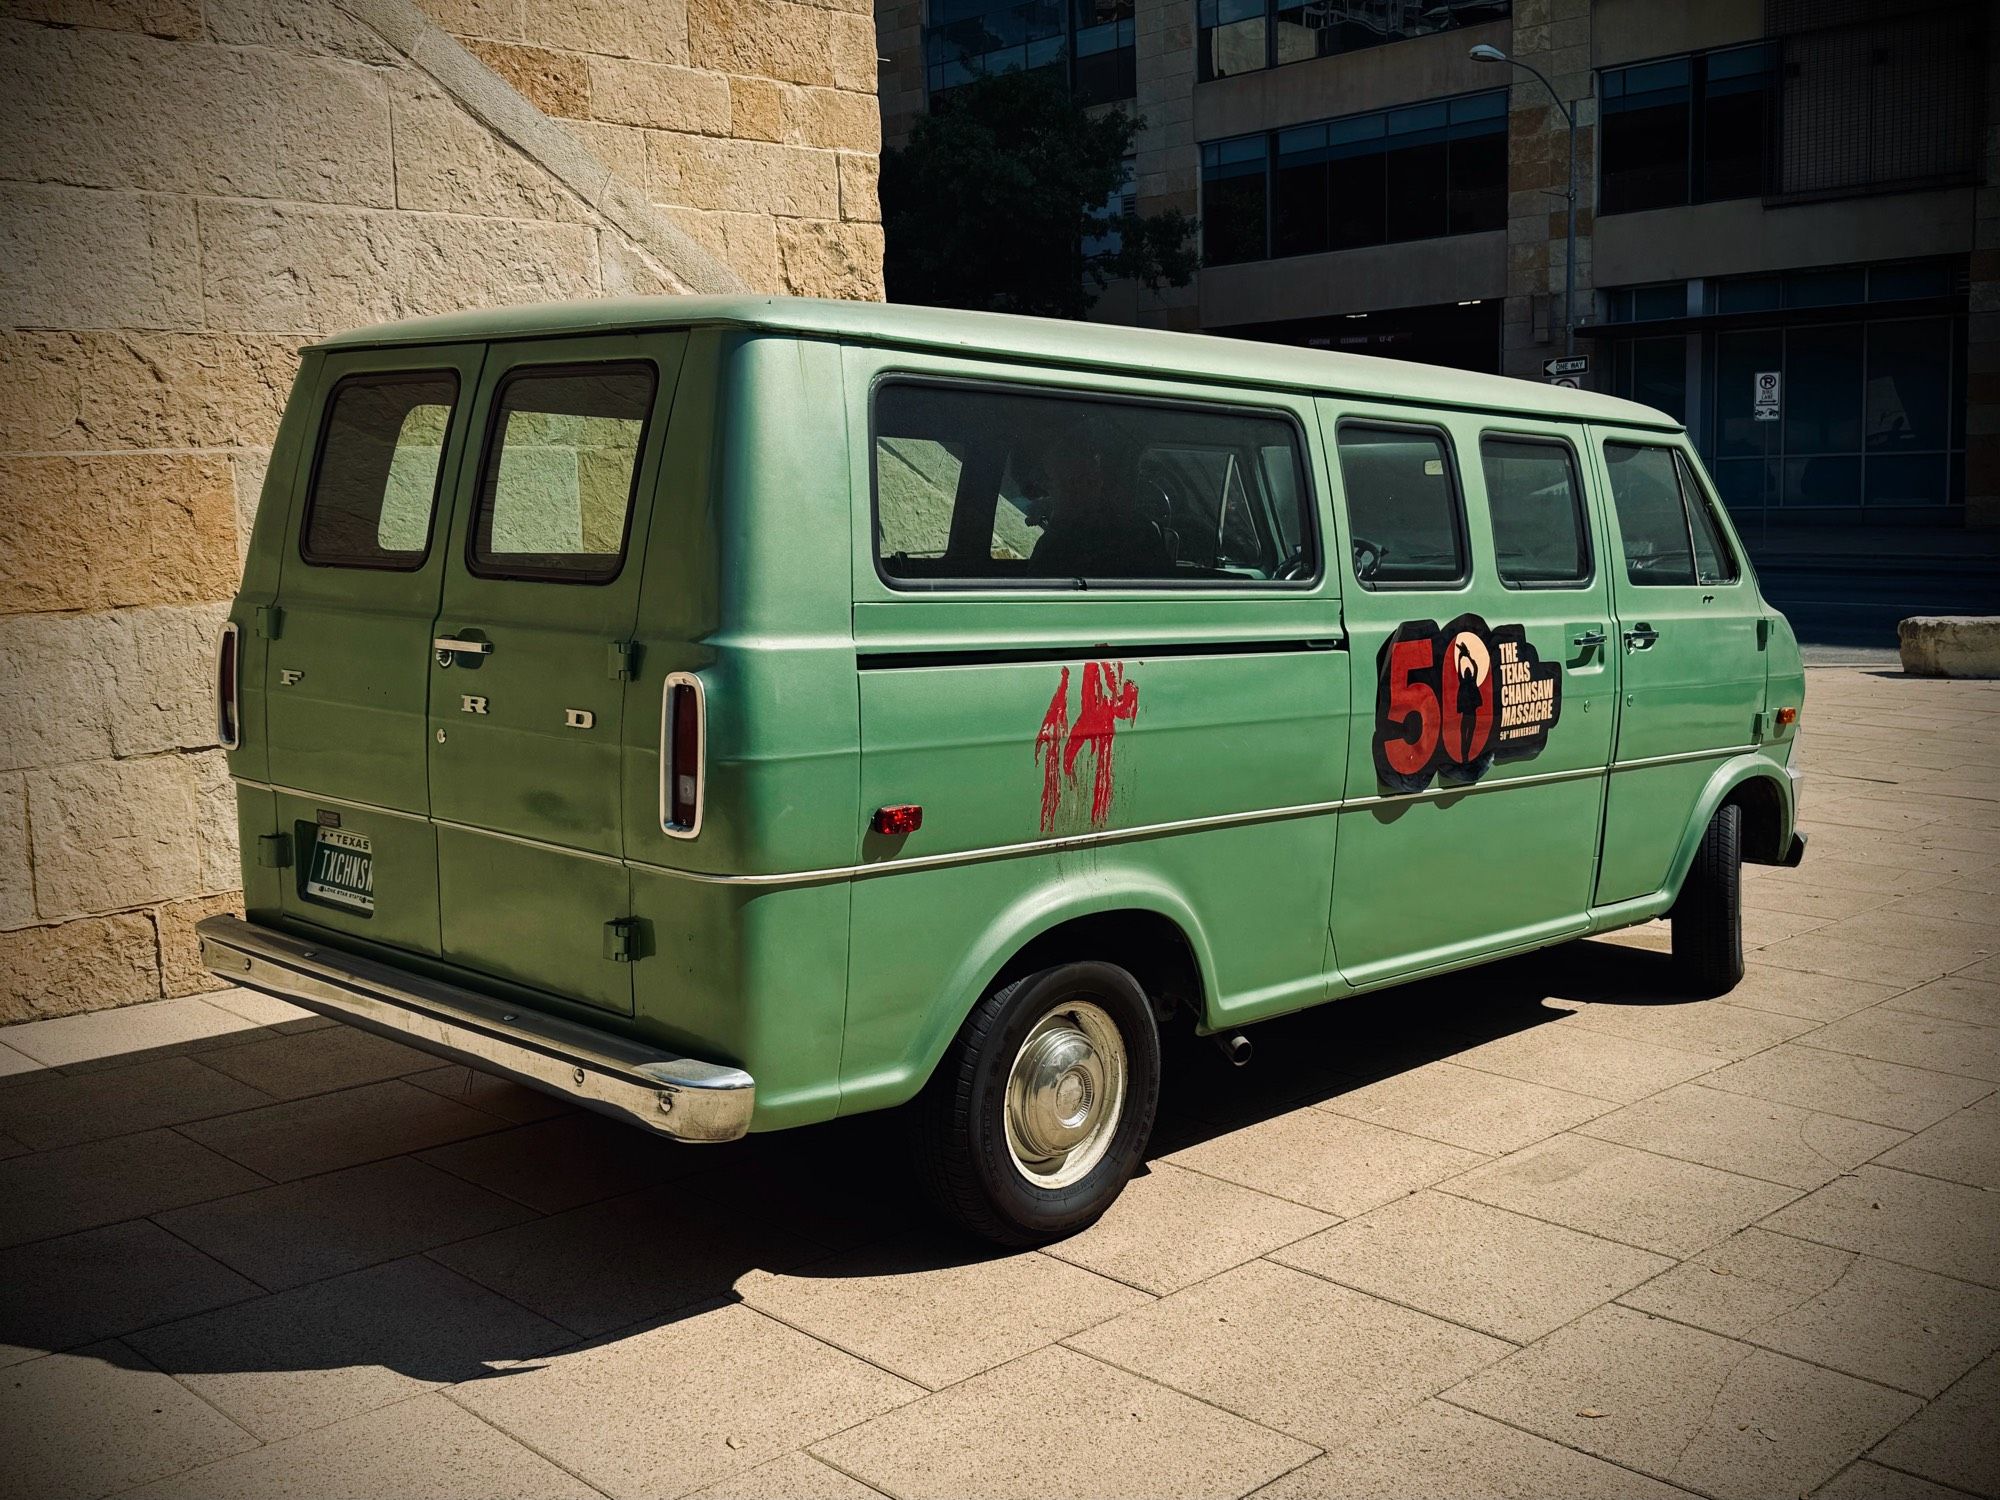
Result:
[
  {"x": 1787, "y": 717},
  {"x": 906, "y": 817}
]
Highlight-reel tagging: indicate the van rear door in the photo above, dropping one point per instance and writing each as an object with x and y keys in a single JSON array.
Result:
[
  {"x": 347, "y": 672},
  {"x": 530, "y": 660}
]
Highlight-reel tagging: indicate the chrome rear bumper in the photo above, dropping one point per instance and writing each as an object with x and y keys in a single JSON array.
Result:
[{"x": 673, "y": 1096}]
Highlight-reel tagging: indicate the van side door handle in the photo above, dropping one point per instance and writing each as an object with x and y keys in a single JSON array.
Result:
[
  {"x": 450, "y": 647},
  {"x": 1641, "y": 638},
  {"x": 1587, "y": 640}
]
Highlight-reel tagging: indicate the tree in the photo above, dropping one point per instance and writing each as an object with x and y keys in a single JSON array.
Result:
[{"x": 990, "y": 204}]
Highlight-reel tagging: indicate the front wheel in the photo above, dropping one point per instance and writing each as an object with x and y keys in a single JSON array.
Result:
[
  {"x": 1708, "y": 914},
  {"x": 1041, "y": 1108}
]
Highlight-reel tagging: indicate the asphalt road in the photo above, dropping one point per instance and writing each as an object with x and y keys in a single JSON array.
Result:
[{"x": 1848, "y": 613}]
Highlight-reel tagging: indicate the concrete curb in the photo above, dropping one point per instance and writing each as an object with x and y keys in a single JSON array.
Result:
[
  {"x": 491, "y": 100},
  {"x": 1950, "y": 645}
]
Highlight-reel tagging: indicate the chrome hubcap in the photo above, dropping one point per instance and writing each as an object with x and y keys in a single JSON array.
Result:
[{"x": 1065, "y": 1094}]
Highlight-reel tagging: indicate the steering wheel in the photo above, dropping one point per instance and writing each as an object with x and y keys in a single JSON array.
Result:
[
  {"x": 1294, "y": 565},
  {"x": 1368, "y": 556}
]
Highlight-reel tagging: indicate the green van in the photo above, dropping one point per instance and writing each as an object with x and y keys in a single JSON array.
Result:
[{"x": 735, "y": 713}]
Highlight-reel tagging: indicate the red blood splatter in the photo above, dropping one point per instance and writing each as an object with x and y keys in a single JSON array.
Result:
[
  {"x": 1108, "y": 698},
  {"x": 1048, "y": 750}
]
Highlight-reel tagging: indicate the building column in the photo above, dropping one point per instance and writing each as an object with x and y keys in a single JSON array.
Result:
[
  {"x": 1554, "y": 36},
  {"x": 1169, "y": 162},
  {"x": 1982, "y": 354}
]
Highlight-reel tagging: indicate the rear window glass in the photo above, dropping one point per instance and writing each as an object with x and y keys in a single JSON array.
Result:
[
  {"x": 375, "y": 483},
  {"x": 555, "y": 493},
  {"x": 978, "y": 486},
  {"x": 1539, "y": 535},
  {"x": 1405, "y": 524}
]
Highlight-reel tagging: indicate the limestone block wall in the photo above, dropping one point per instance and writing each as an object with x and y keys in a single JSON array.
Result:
[{"x": 192, "y": 189}]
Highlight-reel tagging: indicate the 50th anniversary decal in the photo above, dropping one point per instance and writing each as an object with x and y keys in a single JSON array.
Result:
[{"x": 1453, "y": 699}]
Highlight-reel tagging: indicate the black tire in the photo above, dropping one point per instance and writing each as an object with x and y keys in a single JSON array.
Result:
[
  {"x": 1707, "y": 917},
  {"x": 958, "y": 1121}
]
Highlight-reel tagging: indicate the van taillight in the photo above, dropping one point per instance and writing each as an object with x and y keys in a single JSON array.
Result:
[
  {"x": 228, "y": 728},
  {"x": 683, "y": 747}
]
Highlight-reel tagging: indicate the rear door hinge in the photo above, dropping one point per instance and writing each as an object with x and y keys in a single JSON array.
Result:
[
  {"x": 270, "y": 621},
  {"x": 621, "y": 659},
  {"x": 274, "y": 851},
  {"x": 621, "y": 940}
]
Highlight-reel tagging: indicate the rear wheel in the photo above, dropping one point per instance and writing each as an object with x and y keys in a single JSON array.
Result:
[
  {"x": 1043, "y": 1104},
  {"x": 1708, "y": 915}
]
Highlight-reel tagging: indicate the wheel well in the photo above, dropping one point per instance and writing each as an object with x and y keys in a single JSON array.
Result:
[
  {"x": 1763, "y": 820},
  {"x": 1151, "y": 947}
]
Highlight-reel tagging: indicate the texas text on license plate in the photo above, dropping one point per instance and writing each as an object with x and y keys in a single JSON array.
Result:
[{"x": 342, "y": 870}]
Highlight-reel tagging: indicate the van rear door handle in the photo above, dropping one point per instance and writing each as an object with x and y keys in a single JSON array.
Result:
[
  {"x": 449, "y": 646},
  {"x": 1641, "y": 638}
]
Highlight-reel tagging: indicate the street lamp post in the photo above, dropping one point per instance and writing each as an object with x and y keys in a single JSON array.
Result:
[{"x": 1485, "y": 53}]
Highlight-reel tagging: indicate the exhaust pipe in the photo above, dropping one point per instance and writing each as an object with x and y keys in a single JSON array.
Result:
[{"x": 1233, "y": 1045}]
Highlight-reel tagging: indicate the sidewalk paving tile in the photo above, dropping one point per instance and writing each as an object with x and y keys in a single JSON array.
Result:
[
  {"x": 1171, "y": 1228},
  {"x": 11, "y": 1147},
  {"x": 1863, "y": 1480},
  {"x": 1325, "y": 1161},
  {"x": 1916, "y": 1041},
  {"x": 1441, "y": 1450},
  {"x": 935, "y": 1310},
  {"x": 1811, "y": 997},
  {"x": 1954, "y": 1440},
  {"x": 81, "y": 1288},
  {"x": 1563, "y": 1055},
  {"x": 265, "y": 1010},
  {"x": 1514, "y": 1277},
  {"x": 796, "y": 1476},
  {"x": 426, "y": 1446},
  {"x": 1716, "y": 1027},
  {"x": 101, "y": 1182},
  {"x": 1974, "y": 1001},
  {"x": 1883, "y": 1322},
  {"x": 1795, "y": 892},
  {"x": 296, "y": 1360},
  {"x": 292, "y": 1065},
  {"x": 1909, "y": 928},
  {"x": 16, "y": 1064},
  {"x": 1858, "y": 1088},
  {"x": 566, "y": 1162},
  {"x": 1655, "y": 1202},
  {"x": 615, "y": 1263},
  {"x": 1964, "y": 1147},
  {"x": 1296, "y": 1353},
  {"x": 324, "y": 1132},
  {"x": 1685, "y": 1406},
  {"x": 302, "y": 1231},
  {"x": 1055, "y": 1421},
  {"x": 1918, "y": 1221},
  {"x": 141, "y": 1425},
  {"x": 686, "y": 1404},
  {"x": 1855, "y": 958},
  {"x": 511, "y": 1101},
  {"x": 1485, "y": 1112},
  {"x": 1959, "y": 904},
  {"x": 65, "y": 1109},
  {"x": 1740, "y": 1133},
  {"x": 102, "y": 1036}
]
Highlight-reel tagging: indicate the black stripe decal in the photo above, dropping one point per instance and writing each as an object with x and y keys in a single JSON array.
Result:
[{"x": 979, "y": 656}]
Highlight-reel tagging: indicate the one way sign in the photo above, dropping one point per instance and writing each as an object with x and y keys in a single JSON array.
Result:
[{"x": 1573, "y": 364}]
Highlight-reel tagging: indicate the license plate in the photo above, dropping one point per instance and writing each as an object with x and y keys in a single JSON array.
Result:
[{"x": 342, "y": 870}]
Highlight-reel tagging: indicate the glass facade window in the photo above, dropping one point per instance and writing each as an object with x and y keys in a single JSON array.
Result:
[
  {"x": 1685, "y": 129},
  {"x": 1401, "y": 174},
  {"x": 1091, "y": 41},
  {"x": 1240, "y": 36}
]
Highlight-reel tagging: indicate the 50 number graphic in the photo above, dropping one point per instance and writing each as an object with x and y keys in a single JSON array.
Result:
[{"x": 1453, "y": 699}]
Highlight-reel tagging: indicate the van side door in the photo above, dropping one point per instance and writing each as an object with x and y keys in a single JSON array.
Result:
[
  {"x": 1690, "y": 650},
  {"x": 1480, "y": 725},
  {"x": 530, "y": 660}
]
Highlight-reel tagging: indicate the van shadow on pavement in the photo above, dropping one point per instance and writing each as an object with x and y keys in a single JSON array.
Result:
[{"x": 557, "y": 1230}]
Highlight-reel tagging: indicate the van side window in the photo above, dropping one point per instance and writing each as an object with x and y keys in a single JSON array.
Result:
[
  {"x": 1405, "y": 524},
  {"x": 1539, "y": 532},
  {"x": 1713, "y": 561},
  {"x": 555, "y": 492},
  {"x": 375, "y": 483},
  {"x": 982, "y": 486}
]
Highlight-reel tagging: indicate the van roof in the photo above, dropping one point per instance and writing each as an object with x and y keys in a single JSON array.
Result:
[{"x": 1011, "y": 336}]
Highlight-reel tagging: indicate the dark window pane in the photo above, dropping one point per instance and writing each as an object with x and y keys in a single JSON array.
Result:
[
  {"x": 556, "y": 493},
  {"x": 1300, "y": 212},
  {"x": 1745, "y": 483},
  {"x": 1738, "y": 359},
  {"x": 1822, "y": 390},
  {"x": 1734, "y": 127},
  {"x": 1836, "y": 288},
  {"x": 1914, "y": 479},
  {"x": 1821, "y": 481},
  {"x": 1232, "y": 201},
  {"x": 1476, "y": 178},
  {"x": 1297, "y": 30},
  {"x": 1350, "y": 25},
  {"x": 1913, "y": 279},
  {"x": 375, "y": 485},
  {"x": 1652, "y": 525},
  {"x": 1357, "y": 181},
  {"x": 1643, "y": 136},
  {"x": 1232, "y": 38},
  {"x": 1747, "y": 294},
  {"x": 1404, "y": 525},
  {"x": 1416, "y": 170},
  {"x": 1657, "y": 375},
  {"x": 990, "y": 487},
  {"x": 1905, "y": 407},
  {"x": 1539, "y": 535},
  {"x": 1106, "y": 64}
]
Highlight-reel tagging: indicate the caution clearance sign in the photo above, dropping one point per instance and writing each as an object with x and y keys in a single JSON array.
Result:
[{"x": 1453, "y": 699}]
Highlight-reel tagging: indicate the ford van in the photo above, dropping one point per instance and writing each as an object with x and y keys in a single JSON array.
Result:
[{"x": 731, "y": 714}]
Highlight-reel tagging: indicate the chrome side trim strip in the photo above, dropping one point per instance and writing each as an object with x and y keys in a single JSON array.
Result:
[{"x": 682, "y": 1097}]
